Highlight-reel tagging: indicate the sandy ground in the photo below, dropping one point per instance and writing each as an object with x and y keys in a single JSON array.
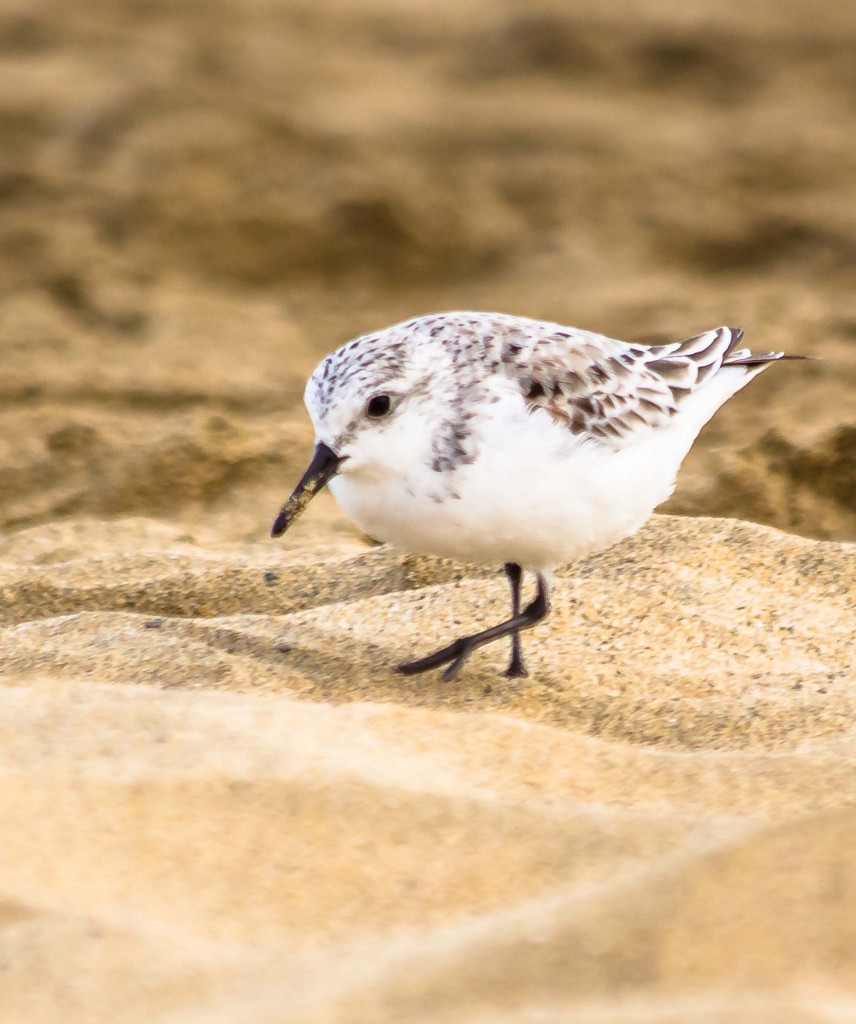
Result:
[{"x": 219, "y": 804}]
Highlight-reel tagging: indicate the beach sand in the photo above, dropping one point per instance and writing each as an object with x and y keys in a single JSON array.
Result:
[{"x": 219, "y": 803}]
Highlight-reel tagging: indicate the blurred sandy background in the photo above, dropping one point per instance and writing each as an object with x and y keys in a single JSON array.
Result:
[{"x": 218, "y": 803}]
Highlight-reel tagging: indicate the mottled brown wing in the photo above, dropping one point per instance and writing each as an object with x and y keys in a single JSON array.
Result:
[{"x": 609, "y": 390}]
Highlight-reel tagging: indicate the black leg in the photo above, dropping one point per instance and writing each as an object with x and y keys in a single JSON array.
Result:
[
  {"x": 516, "y": 667},
  {"x": 458, "y": 652}
]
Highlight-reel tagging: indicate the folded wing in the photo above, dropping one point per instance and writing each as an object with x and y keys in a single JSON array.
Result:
[{"x": 613, "y": 392}]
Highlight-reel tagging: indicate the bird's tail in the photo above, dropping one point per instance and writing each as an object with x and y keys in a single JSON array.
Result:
[
  {"x": 743, "y": 357},
  {"x": 734, "y": 356}
]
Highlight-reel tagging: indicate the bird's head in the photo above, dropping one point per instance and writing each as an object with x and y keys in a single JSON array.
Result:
[{"x": 377, "y": 404}]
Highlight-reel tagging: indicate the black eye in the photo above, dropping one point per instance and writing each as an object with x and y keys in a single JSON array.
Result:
[{"x": 378, "y": 406}]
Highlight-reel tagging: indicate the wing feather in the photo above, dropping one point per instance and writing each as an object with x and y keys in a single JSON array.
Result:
[{"x": 611, "y": 391}]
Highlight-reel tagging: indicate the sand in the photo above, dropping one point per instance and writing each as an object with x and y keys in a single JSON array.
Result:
[{"x": 219, "y": 803}]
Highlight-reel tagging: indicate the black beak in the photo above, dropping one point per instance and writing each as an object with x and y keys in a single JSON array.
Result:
[{"x": 323, "y": 467}]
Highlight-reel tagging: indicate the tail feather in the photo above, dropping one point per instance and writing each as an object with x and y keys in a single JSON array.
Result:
[
  {"x": 690, "y": 365},
  {"x": 719, "y": 347},
  {"x": 743, "y": 357}
]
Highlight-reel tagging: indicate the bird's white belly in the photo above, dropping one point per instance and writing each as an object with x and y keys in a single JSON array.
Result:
[{"x": 528, "y": 501}]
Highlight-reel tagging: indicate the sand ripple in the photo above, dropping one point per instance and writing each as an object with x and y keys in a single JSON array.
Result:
[{"x": 220, "y": 804}]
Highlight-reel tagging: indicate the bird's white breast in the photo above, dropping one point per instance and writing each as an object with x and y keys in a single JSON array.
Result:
[{"x": 534, "y": 494}]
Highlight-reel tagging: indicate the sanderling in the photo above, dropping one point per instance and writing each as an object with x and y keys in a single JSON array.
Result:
[{"x": 491, "y": 438}]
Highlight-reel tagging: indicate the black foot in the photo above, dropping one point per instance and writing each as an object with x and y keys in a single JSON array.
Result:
[
  {"x": 516, "y": 669},
  {"x": 456, "y": 653}
]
